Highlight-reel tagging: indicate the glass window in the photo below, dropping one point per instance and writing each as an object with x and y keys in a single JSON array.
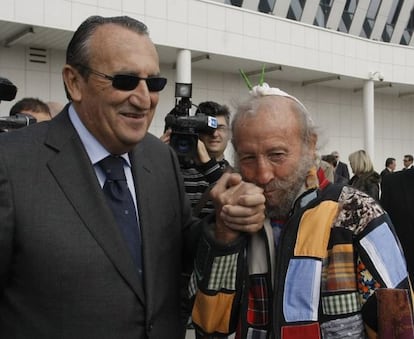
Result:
[
  {"x": 391, "y": 20},
  {"x": 266, "y": 6},
  {"x": 322, "y": 13},
  {"x": 237, "y": 3},
  {"x": 296, "y": 9},
  {"x": 408, "y": 32},
  {"x": 347, "y": 15},
  {"x": 370, "y": 18}
]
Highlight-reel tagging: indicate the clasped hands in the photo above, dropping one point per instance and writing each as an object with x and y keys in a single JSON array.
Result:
[{"x": 239, "y": 207}]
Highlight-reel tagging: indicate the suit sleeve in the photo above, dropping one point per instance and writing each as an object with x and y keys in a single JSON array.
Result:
[
  {"x": 6, "y": 223},
  {"x": 386, "y": 192},
  {"x": 346, "y": 172}
]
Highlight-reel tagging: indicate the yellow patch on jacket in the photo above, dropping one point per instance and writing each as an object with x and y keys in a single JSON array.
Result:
[
  {"x": 217, "y": 308},
  {"x": 314, "y": 230}
]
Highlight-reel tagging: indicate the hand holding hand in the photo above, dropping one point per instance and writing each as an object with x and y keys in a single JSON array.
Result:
[{"x": 239, "y": 207}]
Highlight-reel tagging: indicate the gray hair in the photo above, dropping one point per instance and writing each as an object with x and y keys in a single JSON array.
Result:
[{"x": 78, "y": 51}]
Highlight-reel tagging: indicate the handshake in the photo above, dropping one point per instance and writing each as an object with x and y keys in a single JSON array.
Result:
[{"x": 239, "y": 205}]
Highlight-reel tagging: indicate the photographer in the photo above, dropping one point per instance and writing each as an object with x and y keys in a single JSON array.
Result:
[
  {"x": 17, "y": 120},
  {"x": 209, "y": 165},
  {"x": 33, "y": 107},
  {"x": 202, "y": 171}
]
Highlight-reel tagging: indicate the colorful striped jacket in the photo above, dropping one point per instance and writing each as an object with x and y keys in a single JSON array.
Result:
[{"x": 337, "y": 265}]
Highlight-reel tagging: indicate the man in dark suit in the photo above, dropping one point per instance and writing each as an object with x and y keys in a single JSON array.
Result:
[
  {"x": 65, "y": 268},
  {"x": 390, "y": 165},
  {"x": 341, "y": 170},
  {"x": 408, "y": 162},
  {"x": 397, "y": 198}
]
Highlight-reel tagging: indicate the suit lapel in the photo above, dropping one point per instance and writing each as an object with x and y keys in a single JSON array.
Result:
[
  {"x": 142, "y": 181},
  {"x": 145, "y": 183},
  {"x": 73, "y": 171}
]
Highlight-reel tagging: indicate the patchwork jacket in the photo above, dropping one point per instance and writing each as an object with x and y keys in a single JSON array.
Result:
[{"x": 338, "y": 271}]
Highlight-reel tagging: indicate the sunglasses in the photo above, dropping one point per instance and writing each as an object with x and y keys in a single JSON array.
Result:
[{"x": 128, "y": 82}]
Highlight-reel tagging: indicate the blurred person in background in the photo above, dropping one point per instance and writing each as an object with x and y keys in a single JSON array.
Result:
[
  {"x": 209, "y": 163},
  {"x": 407, "y": 162},
  {"x": 365, "y": 178},
  {"x": 33, "y": 107},
  {"x": 390, "y": 165},
  {"x": 341, "y": 170}
]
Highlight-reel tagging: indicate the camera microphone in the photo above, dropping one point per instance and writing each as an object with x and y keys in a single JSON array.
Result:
[
  {"x": 7, "y": 90},
  {"x": 16, "y": 121}
]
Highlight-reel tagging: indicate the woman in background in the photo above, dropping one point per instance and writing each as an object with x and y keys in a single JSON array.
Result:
[{"x": 365, "y": 178}]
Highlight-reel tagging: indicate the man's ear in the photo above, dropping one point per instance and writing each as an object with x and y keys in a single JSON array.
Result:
[
  {"x": 73, "y": 82},
  {"x": 312, "y": 143}
]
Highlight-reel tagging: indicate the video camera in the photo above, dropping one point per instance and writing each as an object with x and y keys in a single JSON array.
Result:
[
  {"x": 8, "y": 93},
  {"x": 18, "y": 120},
  {"x": 185, "y": 128}
]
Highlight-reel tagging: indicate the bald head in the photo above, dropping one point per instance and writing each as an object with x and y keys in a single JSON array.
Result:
[{"x": 278, "y": 108}]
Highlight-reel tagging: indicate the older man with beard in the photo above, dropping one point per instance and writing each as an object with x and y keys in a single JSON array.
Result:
[{"x": 327, "y": 260}]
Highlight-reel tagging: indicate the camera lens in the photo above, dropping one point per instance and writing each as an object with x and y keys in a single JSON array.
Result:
[{"x": 184, "y": 144}]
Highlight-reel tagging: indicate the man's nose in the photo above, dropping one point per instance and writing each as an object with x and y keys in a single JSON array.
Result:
[
  {"x": 264, "y": 171},
  {"x": 216, "y": 132},
  {"x": 141, "y": 95}
]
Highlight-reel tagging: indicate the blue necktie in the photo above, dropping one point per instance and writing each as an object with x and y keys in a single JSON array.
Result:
[{"x": 120, "y": 200}]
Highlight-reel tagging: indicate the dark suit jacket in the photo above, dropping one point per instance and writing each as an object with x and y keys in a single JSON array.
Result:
[
  {"x": 341, "y": 173},
  {"x": 65, "y": 271},
  {"x": 397, "y": 198},
  {"x": 385, "y": 172}
]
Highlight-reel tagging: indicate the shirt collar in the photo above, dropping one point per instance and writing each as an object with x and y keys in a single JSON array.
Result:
[{"x": 93, "y": 147}]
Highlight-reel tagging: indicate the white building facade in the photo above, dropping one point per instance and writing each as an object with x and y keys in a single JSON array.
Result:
[{"x": 350, "y": 62}]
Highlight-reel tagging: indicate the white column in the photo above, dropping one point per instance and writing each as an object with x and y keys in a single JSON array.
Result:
[
  {"x": 183, "y": 74},
  {"x": 368, "y": 104}
]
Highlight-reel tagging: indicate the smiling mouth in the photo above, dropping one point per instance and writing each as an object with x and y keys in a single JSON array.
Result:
[{"x": 133, "y": 115}]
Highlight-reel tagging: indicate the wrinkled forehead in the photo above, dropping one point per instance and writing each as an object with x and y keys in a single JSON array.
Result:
[
  {"x": 274, "y": 103},
  {"x": 265, "y": 109},
  {"x": 123, "y": 50},
  {"x": 267, "y": 121}
]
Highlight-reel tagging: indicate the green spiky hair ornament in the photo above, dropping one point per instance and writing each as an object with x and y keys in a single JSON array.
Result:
[{"x": 263, "y": 89}]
